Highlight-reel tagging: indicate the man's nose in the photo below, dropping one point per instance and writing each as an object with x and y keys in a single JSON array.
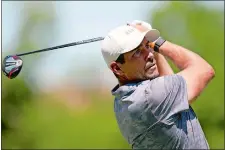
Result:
[{"x": 150, "y": 56}]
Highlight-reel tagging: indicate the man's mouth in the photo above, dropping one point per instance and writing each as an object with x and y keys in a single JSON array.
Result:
[{"x": 152, "y": 66}]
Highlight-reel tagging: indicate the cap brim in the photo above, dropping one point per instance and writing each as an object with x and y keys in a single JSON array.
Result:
[{"x": 152, "y": 35}]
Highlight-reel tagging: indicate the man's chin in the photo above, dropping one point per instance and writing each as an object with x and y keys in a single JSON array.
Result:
[
  {"x": 149, "y": 76},
  {"x": 153, "y": 75}
]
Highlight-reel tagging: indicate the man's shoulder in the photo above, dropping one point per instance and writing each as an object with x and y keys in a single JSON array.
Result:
[
  {"x": 158, "y": 85},
  {"x": 164, "y": 81}
]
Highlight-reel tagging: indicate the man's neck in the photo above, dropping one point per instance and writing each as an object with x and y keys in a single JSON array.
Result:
[{"x": 121, "y": 83}]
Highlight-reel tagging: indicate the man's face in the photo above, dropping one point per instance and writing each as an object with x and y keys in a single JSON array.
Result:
[{"x": 140, "y": 63}]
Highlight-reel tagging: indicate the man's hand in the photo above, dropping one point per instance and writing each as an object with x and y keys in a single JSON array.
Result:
[{"x": 152, "y": 44}]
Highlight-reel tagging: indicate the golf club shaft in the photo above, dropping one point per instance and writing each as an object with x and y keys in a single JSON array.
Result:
[{"x": 64, "y": 45}]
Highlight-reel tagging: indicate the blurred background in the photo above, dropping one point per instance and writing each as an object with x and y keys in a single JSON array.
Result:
[{"x": 62, "y": 99}]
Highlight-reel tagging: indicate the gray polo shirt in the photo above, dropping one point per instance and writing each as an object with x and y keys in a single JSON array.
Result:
[{"x": 155, "y": 114}]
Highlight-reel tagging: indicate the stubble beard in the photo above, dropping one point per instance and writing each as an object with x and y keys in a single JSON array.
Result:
[{"x": 152, "y": 76}]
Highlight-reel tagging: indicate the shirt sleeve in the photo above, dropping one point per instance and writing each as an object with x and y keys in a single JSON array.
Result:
[{"x": 167, "y": 96}]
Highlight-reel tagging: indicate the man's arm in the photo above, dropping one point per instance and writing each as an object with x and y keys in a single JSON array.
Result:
[
  {"x": 163, "y": 65},
  {"x": 194, "y": 69}
]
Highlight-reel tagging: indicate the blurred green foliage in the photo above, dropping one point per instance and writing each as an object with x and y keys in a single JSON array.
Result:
[
  {"x": 47, "y": 123},
  {"x": 14, "y": 95},
  {"x": 41, "y": 121}
]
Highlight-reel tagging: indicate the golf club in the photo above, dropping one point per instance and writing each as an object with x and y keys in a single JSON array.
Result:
[{"x": 12, "y": 64}]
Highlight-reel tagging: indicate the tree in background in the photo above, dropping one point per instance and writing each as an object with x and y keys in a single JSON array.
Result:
[
  {"x": 16, "y": 92},
  {"x": 201, "y": 30}
]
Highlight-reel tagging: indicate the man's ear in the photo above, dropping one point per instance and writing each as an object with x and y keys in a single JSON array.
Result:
[{"x": 116, "y": 69}]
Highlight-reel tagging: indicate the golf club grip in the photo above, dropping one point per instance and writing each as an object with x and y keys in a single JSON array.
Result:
[{"x": 64, "y": 45}]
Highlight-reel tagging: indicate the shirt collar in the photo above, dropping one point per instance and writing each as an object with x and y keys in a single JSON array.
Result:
[{"x": 120, "y": 91}]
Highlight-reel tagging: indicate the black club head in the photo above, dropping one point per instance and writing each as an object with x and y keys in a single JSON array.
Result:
[{"x": 11, "y": 66}]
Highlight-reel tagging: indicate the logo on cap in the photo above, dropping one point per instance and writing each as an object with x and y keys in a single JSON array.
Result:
[{"x": 129, "y": 31}]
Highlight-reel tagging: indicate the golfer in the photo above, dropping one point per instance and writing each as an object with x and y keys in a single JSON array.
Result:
[{"x": 152, "y": 103}]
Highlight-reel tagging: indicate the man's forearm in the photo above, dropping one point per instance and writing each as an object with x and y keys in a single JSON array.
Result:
[
  {"x": 163, "y": 65},
  {"x": 181, "y": 56}
]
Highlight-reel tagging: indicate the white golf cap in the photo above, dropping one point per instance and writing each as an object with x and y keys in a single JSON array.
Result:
[{"x": 125, "y": 38}]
